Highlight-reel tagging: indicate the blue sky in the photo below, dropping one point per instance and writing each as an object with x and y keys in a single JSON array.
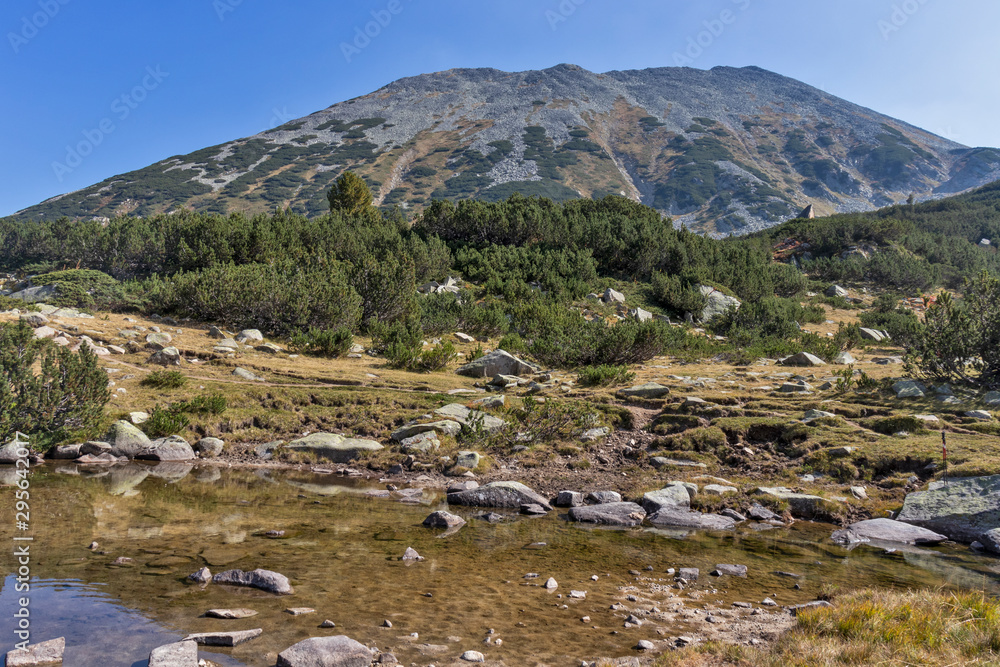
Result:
[{"x": 142, "y": 81}]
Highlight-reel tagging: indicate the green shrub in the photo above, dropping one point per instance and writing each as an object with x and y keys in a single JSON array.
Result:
[
  {"x": 164, "y": 380},
  {"x": 45, "y": 390},
  {"x": 605, "y": 375},
  {"x": 323, "y": 342},
  {"x": 163, "y": 422}
]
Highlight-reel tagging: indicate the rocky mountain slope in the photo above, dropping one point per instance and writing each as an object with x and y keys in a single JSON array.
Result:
[{"x": 728, "y": 150}]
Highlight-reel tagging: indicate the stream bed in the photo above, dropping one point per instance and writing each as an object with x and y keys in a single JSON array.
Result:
[{"x": 340, "y": 540}]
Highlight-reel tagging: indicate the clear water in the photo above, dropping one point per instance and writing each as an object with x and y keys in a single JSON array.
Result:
[{"x": 341, "y": 550}]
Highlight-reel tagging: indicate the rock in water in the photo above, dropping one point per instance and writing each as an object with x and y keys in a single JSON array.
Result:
[
  {"x": 497, "y": 362},
  {"x": 43, "y": 653},
  {"x": 338, "y": 651},
  {"x": 224, "y": 638},
  {"x": 499, "y": 494},
  {"x": 126, "y": 439},
  {"x": 265, "y": 580},
  {"x": 411, "y": 554},
  {"x": 888, "y": 530},
  {"x": 962, "y": 509},
  {"x": 678, "y": 517},
  {"x": 609, "y": 514},
  {"x": 202, "y": 576},
  {"x": 442, "y": 519},
  {"x": 801, "y": 504},
  {"x": 230, "y": 613},
  {"x": 179, "y": 654}
]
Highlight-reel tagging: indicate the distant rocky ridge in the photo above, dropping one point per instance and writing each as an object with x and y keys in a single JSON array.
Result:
[{"x": 727, "y": 150}]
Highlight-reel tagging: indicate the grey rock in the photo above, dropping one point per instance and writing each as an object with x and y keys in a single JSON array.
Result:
[
  {"x": 158, "y": 341},
  {"x": 961, "y": 508},
  {"x": 35, "y": 655},
  {"x": 844, "y": 359},
  {"x": 648, "y": 390},
  {"x": 249, "y": 336},
  {"x": 473, "y": 656},
  {"x": 602, "y": 497},
  {"x": 60, "y": 452},
  {"x": 859, "y": 492},
  {"x": 411, "y": 554},
  {"x": 338, "y": 651},
  {"x": 817, "y": 604},
  {"x": 209, "y": 448},
  {"x": 234, "y": 638},
  {"x": 125, "y": 440},
  {"x": 612, "y": 296},
  {"x": 803, "y": 359},
  {"x": 34, "y": 320},
  {"x": 641, "y": 315},
  {"x": 178, "y": 654},
  {"x": 593, "y": 434},
  {"x": 872, "y": 335},
  {"x": 676, "y": 517},
  {"x": 532, "y": 509},
  {"x": 836, "y": 290},
  {"x": 36, "y": 294},
  {"x": 468, "y": 459},
  {"x": 269, "y": 348},
  {"x": 168, "y": 356},
  {"x": 265, "y": 580},
  {"x": 470, "y": 418},
  {"x": 909, "y": 389},
  {"x": 660, "y": 462},
  {"x": 888, "y": 530},
  {"x": 799, "y": 387},
  {"x": 499, "y": 494},
  {"x": 981, "y": 415},
  {"x": 443, "y": 427},
  {"x": 730, "y": 570},
  {"x": 569, "y": 499},
  {"x": 717, "y": 303},
  {"x": 497, "y": 362},
  {"x": 202, "y": 576},
  {"x": 817, "y": 414},
  {"x": 244, "y": 374},
  {"x": 761, "y": 513},
  {"x": 422, "y": 442},
  {"x": 733, "y": 514},
  {"x": 230, "y": 613},
  {"x": 173, "y": 448},
  {"x": 333, "y": 447},
  {"x": 442, "y": 519},
  {"x": 718, "y": 489},
  {"x": 645, "y": 645},
  {"x": 609, "y": 514},
  {"x": 991, "y": 541},
  {"x": 266, "y": 450},
  {"x": 688, "y": 574}
]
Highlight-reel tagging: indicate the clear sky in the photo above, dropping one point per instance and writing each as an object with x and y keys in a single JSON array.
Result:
[{"x": 134, "y": 82}]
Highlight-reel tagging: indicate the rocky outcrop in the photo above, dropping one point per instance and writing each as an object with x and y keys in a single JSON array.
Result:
[{"x": 961, "y": 508}]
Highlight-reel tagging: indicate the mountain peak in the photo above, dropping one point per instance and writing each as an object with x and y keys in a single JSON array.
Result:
[{"x": 731, "y": 149}]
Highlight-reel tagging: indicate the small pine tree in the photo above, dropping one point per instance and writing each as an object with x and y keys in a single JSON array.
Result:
[{"x": 349, "y": 195}]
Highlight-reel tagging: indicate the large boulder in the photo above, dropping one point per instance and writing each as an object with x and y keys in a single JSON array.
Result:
[
  {"x": 168, "y": 356},
  {"x": 803, "y": 359},
  {"x": 338, "y": 651},
  {"x": 888, "y": 530},
  {"x": 873, "y": 334},
  {"x": 836, "y": 290},
  {"x": 716, "y": 303},
  {"x": 679, "y": 517},
  {"x": 612, "y": 296},
  {"x": 179, "y": 654},
  {"x": 609, "y": 514},
  {"x": 961, "y": 508},
  {"x": 333, "y": 447},
  {"x": 801, "y": 504},
  {"x": 265, "y": 580},
  {"x": 35, "y": 655},
  {"x": 158, "y": 341},
  {"x": 9, "y": 453},
  {"x": 173, "y": 448},
  {"x": 672, "y": 495},
  {"x": 36, "y": 294},
  {"x": 209, "y": 448},
  {"x": 909, "y": 389},
  {"x": 499, "y": 494},
  {"x": 126, "y": 439},
  {"x": 497, "y": 362}
]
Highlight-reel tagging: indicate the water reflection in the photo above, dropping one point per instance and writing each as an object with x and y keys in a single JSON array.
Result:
[{"x": 339, "y": 541}]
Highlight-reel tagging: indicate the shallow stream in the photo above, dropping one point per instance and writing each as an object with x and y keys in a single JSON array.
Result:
[{"x": 341, "y": 547}]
